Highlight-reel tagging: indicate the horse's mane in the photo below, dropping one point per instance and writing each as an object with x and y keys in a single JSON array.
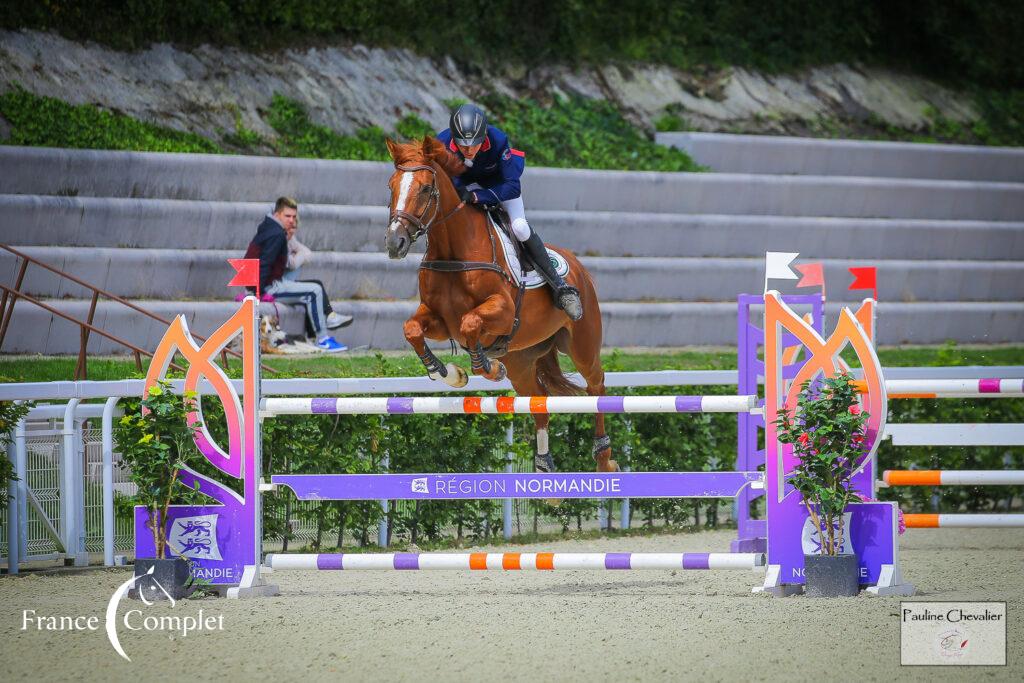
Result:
[{"x": 424, "y": 151}]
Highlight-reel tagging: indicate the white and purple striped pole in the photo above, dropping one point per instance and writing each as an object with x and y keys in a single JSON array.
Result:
[
  {"x": 954, "y": 388},
  {"x": 513, "y": 561},
  {"x": 434, "y": 405}
]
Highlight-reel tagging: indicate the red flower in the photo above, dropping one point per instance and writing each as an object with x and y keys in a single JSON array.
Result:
[
  {"x": 858, "y": 438},
  {"x": 854, "y": 410},
  {"x": 804, "y": 439}
]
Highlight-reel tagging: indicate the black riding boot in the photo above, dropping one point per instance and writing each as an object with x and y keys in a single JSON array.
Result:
[{"x": 566, "y": 296}]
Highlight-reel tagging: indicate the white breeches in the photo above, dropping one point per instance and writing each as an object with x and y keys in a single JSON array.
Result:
[{"x": 516, "y": 215}]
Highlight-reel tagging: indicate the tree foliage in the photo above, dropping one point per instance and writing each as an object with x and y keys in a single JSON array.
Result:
[{"x": 963, "y": 40}]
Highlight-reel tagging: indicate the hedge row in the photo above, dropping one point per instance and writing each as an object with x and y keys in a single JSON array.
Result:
[
  {"x": 358, "y": 444},
  {"x": 966, "y": 40}
]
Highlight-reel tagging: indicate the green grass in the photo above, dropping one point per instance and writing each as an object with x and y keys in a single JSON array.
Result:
[{"x": 35, "y": 369}]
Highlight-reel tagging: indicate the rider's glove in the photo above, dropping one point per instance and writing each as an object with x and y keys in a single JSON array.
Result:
[{"x": 467, "y": 196}]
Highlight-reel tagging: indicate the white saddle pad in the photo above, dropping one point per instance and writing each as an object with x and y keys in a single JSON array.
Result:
[{"x": 533, "y": 278}]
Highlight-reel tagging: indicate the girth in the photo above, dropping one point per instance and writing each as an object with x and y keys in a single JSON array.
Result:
[{"x": 462, "y": 266}]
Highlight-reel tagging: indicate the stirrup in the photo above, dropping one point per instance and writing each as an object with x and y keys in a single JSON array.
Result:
[{"x": 567, "y": 298}]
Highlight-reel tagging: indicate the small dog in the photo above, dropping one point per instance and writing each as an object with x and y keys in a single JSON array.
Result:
[
  {"x": 274, "y": 340},
  {"x": 272, "y": 337}
]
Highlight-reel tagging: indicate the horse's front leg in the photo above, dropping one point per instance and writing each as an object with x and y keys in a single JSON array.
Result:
[
  {"x": 424, "y": 324},
  {"x": 493, "y": 317}
]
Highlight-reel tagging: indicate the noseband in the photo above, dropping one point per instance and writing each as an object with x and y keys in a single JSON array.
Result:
[{"x": 419, "y": 222}]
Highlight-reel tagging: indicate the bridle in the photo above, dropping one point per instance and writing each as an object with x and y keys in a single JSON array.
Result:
[{"x": 420, "y": 223}]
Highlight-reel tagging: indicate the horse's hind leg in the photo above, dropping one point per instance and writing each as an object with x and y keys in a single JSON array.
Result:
[
  {"x": 424, "y": 323},
  {"x": 523, "y": 375},
  {"x": 585, "y": 350}
]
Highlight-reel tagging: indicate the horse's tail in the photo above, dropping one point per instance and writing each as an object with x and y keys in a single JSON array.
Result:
[{"x": 551, "y": 377}]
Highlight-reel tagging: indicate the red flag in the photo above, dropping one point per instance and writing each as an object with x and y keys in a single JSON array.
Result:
[
  {"x": 813, "y": 275},
  {"x": 865, "y": 278},
  {"x": 247, "y": 273}
]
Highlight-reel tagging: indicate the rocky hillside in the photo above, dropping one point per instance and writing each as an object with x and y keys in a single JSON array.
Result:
[{"x": 215, "y": 91}]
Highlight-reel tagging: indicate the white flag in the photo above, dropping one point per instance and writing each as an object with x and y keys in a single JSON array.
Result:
[{"x": 776, "y": 266}]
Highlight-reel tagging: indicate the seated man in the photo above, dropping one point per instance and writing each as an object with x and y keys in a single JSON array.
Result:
[
  {"x": 298, "y": 255},
  {"x": 270, "y": 246}
]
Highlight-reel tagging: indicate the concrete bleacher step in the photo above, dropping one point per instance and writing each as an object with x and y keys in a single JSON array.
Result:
[
  {"x": 184, "y": 273},
  {"x": 191, "y": 224},
  {"x": 772, "y": 154},
  {"x": 260, "y": 179},
  {"x": 379, "y": 323}
]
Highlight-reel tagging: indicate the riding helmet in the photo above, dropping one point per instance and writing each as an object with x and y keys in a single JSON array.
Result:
[{"x": 468, "y": 125}]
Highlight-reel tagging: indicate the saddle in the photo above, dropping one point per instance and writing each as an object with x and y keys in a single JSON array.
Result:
[{"x": 501, "y": 219}]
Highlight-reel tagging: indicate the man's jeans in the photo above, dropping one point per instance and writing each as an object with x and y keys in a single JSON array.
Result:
[{"x": 309, "y": 294}]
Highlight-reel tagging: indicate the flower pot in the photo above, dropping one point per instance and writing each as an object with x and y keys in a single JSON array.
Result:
[
  {"x": 170, "y": 578},
  {"x": 831, "y": 576}
]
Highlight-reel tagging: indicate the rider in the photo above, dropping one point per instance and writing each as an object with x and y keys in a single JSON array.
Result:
[{"x": 491, "y": 178}]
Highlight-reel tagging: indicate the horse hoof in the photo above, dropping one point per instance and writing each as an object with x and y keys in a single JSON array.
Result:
[
  {"x": 543, "y": 463},
  {"x": 497, "y": 371},
  {"x": 457, "y": 377}
]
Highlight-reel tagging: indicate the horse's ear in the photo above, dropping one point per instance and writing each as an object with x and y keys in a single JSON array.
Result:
[
  {"x": 392, "y": 148},
  {"x": 432, "y": 147}
]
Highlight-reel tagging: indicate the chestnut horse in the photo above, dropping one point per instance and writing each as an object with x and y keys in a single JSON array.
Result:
[{"x": 467, "y": 294}]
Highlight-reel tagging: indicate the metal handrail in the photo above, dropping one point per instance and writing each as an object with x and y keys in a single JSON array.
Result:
[
  {"x": 85, "y": 326},
  {"x": 139, "y": 352}
]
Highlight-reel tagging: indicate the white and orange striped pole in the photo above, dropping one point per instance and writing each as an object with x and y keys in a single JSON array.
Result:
[
  {"x": 970, "y": 521},
  {"x": 953, "y": 477}
]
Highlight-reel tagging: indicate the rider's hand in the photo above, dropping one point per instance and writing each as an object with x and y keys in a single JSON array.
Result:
[{"x": 467, "y": 196}]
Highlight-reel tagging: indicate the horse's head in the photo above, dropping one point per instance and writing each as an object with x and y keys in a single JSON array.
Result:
[{"x": 415, "y": 194}]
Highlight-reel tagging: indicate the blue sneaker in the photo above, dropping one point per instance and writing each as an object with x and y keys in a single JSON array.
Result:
[{"x": 330, "y": 345}]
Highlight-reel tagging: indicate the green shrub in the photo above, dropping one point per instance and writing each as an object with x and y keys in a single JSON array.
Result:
[
  {"x": 48, "y": 122},
  {"x": 300, "y": 137},
  {"x": 581, "y": 133},
  {"x": 571, "y": 133}
]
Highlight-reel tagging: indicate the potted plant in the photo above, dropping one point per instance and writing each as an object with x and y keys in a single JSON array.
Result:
[
  {"x": 827, "y": 434},
  {"x": 156, "y": 441}
]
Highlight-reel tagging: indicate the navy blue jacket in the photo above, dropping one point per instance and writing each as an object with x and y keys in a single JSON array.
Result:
[
  {"x": 496, "y": 168},
  {"x": 270, "y": 246}
]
